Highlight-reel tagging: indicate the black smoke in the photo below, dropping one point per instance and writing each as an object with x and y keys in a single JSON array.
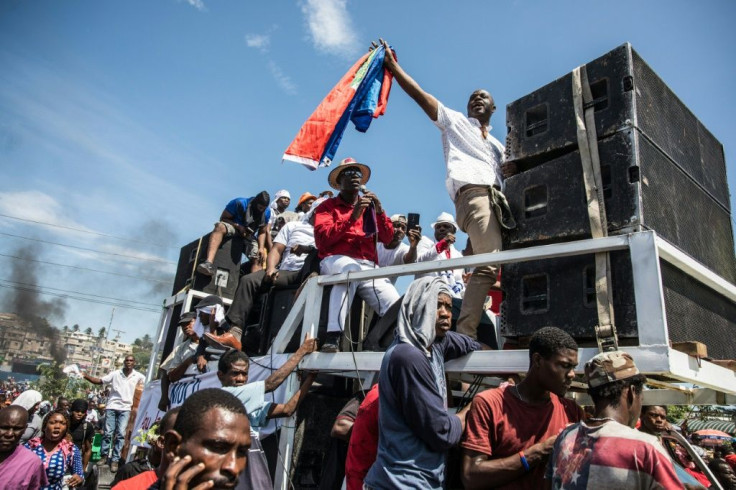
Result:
[
  {"x": 158, "y": 237},
  {"x": 25, "y": 300}
]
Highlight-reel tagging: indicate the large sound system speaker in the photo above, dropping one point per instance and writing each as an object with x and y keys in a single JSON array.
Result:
[
  {"x": 227, "y": 262},
  {"x": 642, "y": 190},
  {"x": 661, "y": 170},
  {"x": 627, "y": 93},
  {"x": 560, "y": 292}
]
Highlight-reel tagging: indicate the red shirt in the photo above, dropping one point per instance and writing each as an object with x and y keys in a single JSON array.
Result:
[
  {"x": 363, "y": 441},
  {"x": 500, "y": 425},
  {"x": 335, "y": 233},
  {"x": 139, "y": 482}
]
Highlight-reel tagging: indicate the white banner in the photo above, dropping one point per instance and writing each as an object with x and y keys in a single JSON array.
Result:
[{"x": 149, "y": 414}]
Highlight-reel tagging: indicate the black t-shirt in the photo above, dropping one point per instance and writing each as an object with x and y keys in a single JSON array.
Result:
[{"x": 83, "y": 431}]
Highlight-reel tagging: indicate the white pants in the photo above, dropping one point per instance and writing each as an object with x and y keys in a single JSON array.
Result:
[{"x": 380, "y": 294}]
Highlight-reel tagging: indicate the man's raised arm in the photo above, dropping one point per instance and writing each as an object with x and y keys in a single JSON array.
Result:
[
  {"x": 92, "y": 379},
  {"x": 278, "y": 376},
  {"x": 425, "y": 100}
]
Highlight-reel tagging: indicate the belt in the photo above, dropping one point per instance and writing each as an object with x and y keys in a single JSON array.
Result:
[{"x": 471, "y": 187}]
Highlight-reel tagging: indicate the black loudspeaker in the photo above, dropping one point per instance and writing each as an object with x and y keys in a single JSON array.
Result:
[
  {"x": 560, "y": 292},
  {"x": 227, "y": 262},
  {"x": 627, "y": 93},
  {"x": 170, "y": 329},
  {"x": 316, "y": 415},
  {"x": 642, "y": 190}
]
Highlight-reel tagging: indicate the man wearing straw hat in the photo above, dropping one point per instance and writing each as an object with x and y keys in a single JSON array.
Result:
[{"x": 346, "y": 229}]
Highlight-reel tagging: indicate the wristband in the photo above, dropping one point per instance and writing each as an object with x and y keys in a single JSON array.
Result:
[{"x": 524, "y": 462}]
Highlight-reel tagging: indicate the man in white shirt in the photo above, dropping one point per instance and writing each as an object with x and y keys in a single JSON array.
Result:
[
  {"x": 182, "y": 360},
  {"x": 443, "y": 248},
  {"x": 123, "y": 383},
  {"x": 283, "y": 268},
  {"x": 397, "y": 252},
  {"x": 474, "y": 178}
]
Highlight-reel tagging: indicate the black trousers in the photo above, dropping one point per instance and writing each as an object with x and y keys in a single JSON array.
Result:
[{"x": 249, "y": 287}]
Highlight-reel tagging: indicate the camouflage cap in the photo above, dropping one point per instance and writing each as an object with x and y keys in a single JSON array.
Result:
[{"x": 608, "y": 367}]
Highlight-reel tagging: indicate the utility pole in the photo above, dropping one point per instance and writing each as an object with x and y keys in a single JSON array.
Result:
[{"x": 101, "y": 349}]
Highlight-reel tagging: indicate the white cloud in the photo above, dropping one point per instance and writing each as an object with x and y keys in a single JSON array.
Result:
[
  {"x": 35, "y": 206},
  {"x": 330, "y": 26},
  {"x": 197, "y": 4},
  {"x": 258, "y": 41},
  {"x": 281, "y": 79}
]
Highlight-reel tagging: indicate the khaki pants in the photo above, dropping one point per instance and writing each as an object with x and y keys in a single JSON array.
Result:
[{"x": 475, "y": 217}]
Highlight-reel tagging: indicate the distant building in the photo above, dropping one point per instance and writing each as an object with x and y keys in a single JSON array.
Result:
[
  {"x": 94, "y": 354},
  {"x": 97, "y": 355},
  {"x": 19, "y": 341}
]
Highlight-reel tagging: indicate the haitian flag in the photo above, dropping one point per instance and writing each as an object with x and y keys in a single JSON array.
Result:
[{"x": 360, "y": 96}]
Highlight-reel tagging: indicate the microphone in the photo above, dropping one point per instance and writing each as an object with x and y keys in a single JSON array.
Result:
[{"x": 363, "y": 188}]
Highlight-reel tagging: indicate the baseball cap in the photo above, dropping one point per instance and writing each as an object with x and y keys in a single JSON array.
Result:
[{"x": 608, "y": 367}]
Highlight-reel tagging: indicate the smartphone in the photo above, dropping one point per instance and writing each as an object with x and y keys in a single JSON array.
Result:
[{"x": 412, "y": 221}]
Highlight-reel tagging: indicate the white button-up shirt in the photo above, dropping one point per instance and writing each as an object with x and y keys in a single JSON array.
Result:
[
  {"x": 470, "y": 158},
  {"x": 122, "y": 388}
]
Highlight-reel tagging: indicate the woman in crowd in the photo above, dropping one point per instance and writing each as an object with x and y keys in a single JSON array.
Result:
[
  {"x": 30, "y": 400},
  {"x": 59, "y": 456}
]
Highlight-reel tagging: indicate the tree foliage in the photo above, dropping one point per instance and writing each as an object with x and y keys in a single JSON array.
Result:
[
  {"x": 142, "y": 349},
  {"x": 54, "y": 383}
]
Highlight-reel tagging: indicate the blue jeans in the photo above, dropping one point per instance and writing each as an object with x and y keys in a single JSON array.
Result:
[{"x": 115, "y": 423}]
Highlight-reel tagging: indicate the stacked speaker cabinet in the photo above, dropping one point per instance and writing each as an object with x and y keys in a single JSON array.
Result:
[
  {"x": 662, "y": 170},
  {"x": 227, "y": 262}
]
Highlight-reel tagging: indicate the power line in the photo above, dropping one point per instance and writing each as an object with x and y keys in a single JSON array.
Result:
[
  {"x": 88, "y": 249},
  {"x": 89, "y": 300},
  {"x": 55, "y": 225},
  {"x": 79, "y": 292},
  {"x": 87, "y": 269}
]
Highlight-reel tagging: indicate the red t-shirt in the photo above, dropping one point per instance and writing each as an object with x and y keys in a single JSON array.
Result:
[
  {"x": 335, "y": 233},
  {"x": 363, "y": 441},
  {"x": 138, "y": 482},
  {"x": 500, "y": 425}
]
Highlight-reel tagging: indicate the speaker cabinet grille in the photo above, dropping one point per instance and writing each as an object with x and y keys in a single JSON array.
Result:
[
  {"x": 560, "y": 292},
  {"x": 627, "y": 93},
  {"x": 227, "y": 262},
  {"x": 643, "y": 189}
]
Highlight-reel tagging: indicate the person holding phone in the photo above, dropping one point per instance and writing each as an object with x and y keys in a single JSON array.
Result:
[
  {"x": 443, "y": 248},
  {"x": 397, "y": 252}
]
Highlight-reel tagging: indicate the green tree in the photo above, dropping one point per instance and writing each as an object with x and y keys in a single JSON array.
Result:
[
  {"x": 54, "y": 383},
  {"x": 102, "y": 332},
  {"x": 88, "y": 330},
  {"x": 142, "y": 349},
  {"x": 75, "y": 328}
]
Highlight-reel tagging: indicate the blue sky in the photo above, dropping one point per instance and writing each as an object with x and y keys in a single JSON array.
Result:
[{"x": 142, "y": 119}]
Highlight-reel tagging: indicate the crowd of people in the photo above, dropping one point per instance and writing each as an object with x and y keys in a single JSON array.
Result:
[
  {"x": 45, "y": 445},
  {"x": 523, "y": 434}
]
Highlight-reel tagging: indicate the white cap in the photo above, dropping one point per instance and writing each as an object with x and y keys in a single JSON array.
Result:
[
  {"x": 282, "y": 193},
  {"x": 445, "y": 218}
]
